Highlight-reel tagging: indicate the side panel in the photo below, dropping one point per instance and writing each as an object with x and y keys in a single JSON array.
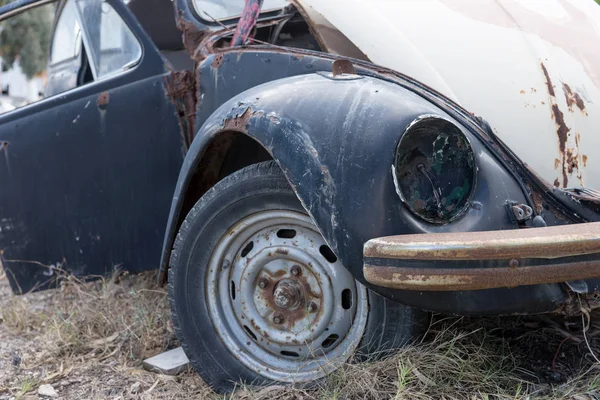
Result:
[{"x": 87, "y": 176}]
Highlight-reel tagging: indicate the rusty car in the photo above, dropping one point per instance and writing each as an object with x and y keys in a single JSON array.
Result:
[{"x": 310, "y": 177}]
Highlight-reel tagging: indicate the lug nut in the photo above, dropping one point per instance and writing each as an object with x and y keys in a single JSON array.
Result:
[
  {"x": 263, "y": 283},
  {"x": 278, "y": 319},
  {"x": 312, "y": 307},
  {"x": 296, "y": 270}
]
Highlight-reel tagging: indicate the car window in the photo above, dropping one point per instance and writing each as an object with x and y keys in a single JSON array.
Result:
[
  {"x": 112, "y": 46},
  {"x": 25, "y": 43},
  {"x": 66, "y": 43},
  {"x": 225, "y": 9},
  {"x": 56, "y": 47}
]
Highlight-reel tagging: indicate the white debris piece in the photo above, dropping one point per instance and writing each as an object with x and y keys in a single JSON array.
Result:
[
  {"x": 170, "y": 362},
  {"x": 47, "y": 391}
]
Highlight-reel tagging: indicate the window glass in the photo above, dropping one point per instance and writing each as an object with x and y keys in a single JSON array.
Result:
[
  {"x": 56, "y": 47},
  {"x": 112, "y": 47},
  {"x": 25, "y": 42},
  {"x": 224, "y": 9},
  {"x": 66, "y": 43}
]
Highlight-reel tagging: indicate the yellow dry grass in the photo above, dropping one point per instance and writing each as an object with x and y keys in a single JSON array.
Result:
[{"x": 88, "y": 339}]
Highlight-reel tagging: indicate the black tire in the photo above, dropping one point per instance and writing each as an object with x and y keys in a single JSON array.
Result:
[{"x": 250, "y": 190}]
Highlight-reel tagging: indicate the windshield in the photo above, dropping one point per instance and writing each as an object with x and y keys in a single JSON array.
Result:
[{"x": 225, "y": 9}]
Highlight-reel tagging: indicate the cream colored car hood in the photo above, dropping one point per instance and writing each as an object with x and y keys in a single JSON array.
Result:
[{"x": 531, "y": 68}]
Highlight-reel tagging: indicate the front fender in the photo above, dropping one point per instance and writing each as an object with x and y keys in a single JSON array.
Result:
[{"x": 335, "y": 140}]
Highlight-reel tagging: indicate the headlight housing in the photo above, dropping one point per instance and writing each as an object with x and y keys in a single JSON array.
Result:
[{"x": 434, "y": 170}]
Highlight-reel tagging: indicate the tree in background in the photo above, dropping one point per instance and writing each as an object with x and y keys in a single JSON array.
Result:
[{"x": 27, "y": 36}]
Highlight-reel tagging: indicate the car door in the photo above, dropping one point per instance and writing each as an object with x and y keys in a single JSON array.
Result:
[{"x": 87, "y": 173}]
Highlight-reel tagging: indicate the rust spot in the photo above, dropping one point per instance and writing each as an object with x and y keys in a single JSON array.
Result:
[
  {"x": 556, "y": 182},
  {"x": 580, "y": 103},
  {"x": 103, "y": 100},
  {"x": 238, "y": 123},
  {"x": 556, "y": 163},
  {"x": 282, "y": 251},
  {"x": 181, "y": 89},
  {"x": 217, "y": 61},
  {"x": 4, "y": 145},
  {"x": 548, "y": 81},
  {"x": 190, "y": 35},
  {"x": 340, "y": 67},
  {"x": 522, "y": 91},
  {"x": 584, "y": 159},
  {"x": 573, "y": 99}
]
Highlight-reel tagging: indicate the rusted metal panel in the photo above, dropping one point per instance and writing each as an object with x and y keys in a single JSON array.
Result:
[
  {"x": 547, "y": 243},
  {"x": 181, "y": 89},
  {"x": 454, "y": 279}
]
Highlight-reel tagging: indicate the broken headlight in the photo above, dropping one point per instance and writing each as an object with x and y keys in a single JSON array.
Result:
[{"x": 435, "y": 171}]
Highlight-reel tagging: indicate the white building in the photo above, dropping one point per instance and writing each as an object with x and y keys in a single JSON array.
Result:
[{"x": 14, "y": 84}]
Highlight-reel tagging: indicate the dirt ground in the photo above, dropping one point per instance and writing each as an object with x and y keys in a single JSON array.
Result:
[{"x": 87, "y": 341}]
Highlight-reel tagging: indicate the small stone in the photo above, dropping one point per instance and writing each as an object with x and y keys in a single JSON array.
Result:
[
  {"x": 171, "y": 362},
  {"x": 47, "y": 391},
  {"x": 16, "y": 360},
  {"x": 135, "y": 388}
]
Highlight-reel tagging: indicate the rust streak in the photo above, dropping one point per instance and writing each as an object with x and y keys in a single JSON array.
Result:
[
  {"x": 569, "y": 96},
  {"x": 191, "y": 35},
  {"x": 548, "y": 81},
  {"x": 562, "y": 130},
  {"x": 580, "y": 103},
  {"x": 573, "y": 99},
  {"x": 180, "y": 87}
]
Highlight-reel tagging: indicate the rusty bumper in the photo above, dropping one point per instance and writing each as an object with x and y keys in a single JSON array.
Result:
[{"x": 484, "y": 260}]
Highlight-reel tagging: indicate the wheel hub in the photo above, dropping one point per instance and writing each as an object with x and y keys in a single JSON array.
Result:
[{"x": 288, "y": 294}]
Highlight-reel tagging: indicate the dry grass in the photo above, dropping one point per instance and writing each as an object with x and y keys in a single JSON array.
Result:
[{"x": 88, "y": 341}]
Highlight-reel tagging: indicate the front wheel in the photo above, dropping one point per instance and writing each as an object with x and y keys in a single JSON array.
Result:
[{"x": 257, "y": 295}]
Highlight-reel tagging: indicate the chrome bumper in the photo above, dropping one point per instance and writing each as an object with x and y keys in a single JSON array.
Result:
[{"x": 484, "y": 260}]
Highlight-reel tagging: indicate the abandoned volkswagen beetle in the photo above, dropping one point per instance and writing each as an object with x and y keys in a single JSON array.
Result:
[{"x": 311, "y": 177}]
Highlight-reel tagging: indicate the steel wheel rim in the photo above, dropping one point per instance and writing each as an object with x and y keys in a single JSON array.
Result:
[{"x": 292, "y": 313}]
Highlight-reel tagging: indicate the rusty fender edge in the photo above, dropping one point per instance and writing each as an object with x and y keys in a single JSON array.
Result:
[{"x": 484, "y": 260}]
